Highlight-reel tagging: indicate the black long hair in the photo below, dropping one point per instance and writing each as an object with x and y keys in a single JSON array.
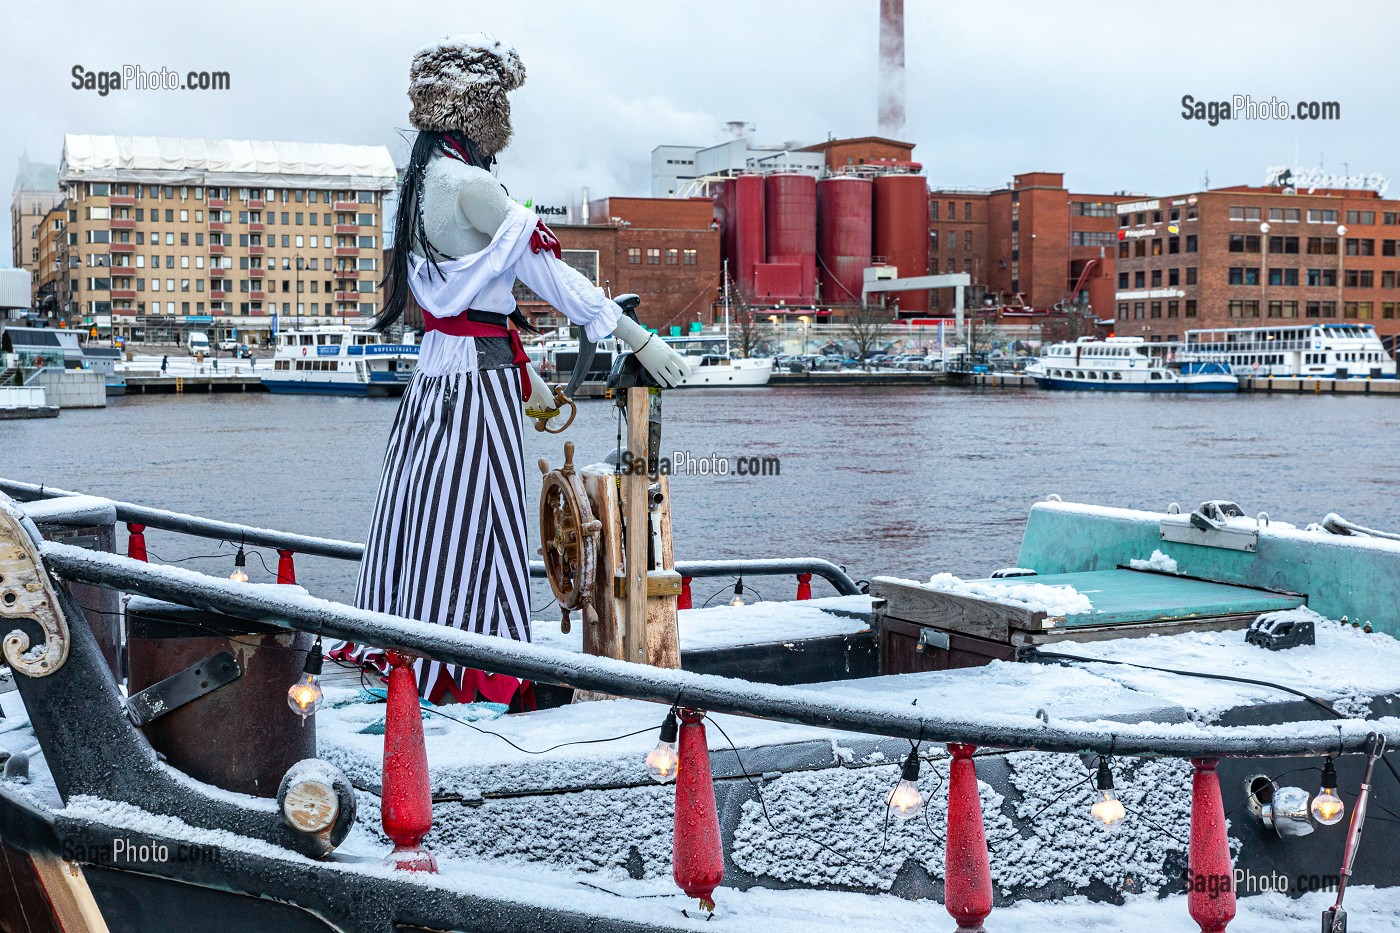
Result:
[{"x": 408, "y": 223}]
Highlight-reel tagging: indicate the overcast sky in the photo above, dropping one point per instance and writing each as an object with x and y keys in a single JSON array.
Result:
[{"x": 994, "y": 88}]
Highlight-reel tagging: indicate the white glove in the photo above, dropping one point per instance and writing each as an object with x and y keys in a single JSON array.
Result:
[
  {"x": 541, "y": 400},
  {"x": 665, "y": 365}
]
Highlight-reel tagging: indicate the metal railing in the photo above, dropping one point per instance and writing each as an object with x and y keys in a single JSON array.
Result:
[
  {"x": 196, "y": 526},
  {"x": 287, "y": 609}
]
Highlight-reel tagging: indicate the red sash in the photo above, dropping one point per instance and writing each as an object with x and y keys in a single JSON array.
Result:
[{"x": 461, "y": 326}]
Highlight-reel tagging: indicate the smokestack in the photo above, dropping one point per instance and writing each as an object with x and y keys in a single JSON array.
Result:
[{"x": 892, "y": 68}]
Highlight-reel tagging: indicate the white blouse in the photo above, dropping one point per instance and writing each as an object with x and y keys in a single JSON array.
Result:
[{"x": 483, "y": 280}]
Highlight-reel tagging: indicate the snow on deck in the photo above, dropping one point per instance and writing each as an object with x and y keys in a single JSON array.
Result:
[
  {"x": 657, "y": 903},
  {"x": 727, "y": 626}
]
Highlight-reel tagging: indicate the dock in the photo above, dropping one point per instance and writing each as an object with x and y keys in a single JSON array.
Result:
[{"x": 1301, "y": 386}]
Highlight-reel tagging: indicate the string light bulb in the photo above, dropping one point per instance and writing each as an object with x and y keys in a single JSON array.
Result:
[
  {"x": 905, "y": 800},
  {"x": 663, "y": 761},
  {"x": 1327, "y": 807},
  {"x": 738, "y": 599},
  {"x": 240, "y": 561},
  {"x": 305, "y": 696},
  {"x": 1108, "y": 809}
]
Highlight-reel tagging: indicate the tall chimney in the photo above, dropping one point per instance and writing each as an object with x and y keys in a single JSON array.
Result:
[{"x": 892, "y": 68}]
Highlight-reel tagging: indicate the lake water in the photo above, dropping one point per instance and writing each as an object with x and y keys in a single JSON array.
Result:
[{"x": 902, "y": 481}]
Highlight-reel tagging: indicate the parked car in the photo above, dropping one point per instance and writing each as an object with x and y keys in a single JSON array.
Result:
[{"x": 228, "y": 346}]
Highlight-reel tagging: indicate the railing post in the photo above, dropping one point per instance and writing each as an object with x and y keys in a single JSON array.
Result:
[
  {"x": 286, "y": 569},
  {"x": 683, "y": 600},
  {"x": 697, "y": 851},
  {"x": 804, "y": 586},
  {"x": 136, "y": 541},
  {"x": 967, "y": 873},
  {"x": 407, "y": 801},
  {"x": 1211, "y": 898}
]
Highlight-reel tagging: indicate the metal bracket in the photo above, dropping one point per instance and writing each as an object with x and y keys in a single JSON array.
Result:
[
  {"x": 26, "y": 592},
  {"x": 1221, "y": 534},
  {"x": 176, "y": 690},
  {"x": 932, "y": 638}
]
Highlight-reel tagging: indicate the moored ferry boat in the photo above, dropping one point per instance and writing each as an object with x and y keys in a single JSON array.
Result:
[
  {"x": 1129, "y": 364},
  {"x": 1322, "y": 351},
  {"x": 339, "y": 360},
  {"x": 712, "y": 363}
]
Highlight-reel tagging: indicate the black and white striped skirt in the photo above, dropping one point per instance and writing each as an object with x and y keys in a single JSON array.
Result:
[{"x": 448, "y": 540}]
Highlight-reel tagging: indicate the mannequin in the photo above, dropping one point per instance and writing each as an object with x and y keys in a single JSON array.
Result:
[{"x": 447, "y": 543}]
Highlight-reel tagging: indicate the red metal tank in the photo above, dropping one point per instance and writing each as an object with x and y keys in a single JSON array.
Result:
[
  {"x": 792, "y": 228},
  {"x": 901, "y": 231},
  {"x": 748, "y": 224},
  {"x": 844, "y": 222}
]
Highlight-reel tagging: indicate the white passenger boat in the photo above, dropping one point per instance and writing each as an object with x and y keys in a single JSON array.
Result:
[
  {"x": 712, "y": 364},
  {"x": 339, "y": 360},
  {"x": 1128, "y": 364},
  {"x": 1326, "y": 351}
]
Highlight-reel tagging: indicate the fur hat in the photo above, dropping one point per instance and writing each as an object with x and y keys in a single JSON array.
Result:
[{"x": 459, "y": 85}]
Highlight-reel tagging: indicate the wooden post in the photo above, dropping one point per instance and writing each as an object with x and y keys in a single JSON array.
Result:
[{"x": 634, "y": 513}]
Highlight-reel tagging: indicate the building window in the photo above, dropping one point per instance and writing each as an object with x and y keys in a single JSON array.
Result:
[
  {"x": 1173, "y": 276},
  {"x": 1156, "y": 278},
  {"x": 1191, "y": 243},
  {"x": 1173, "y": 308},
  {"x": 690, "y": 256},
  {"x": 1283, "y": 244},
  {"x": 634, "y": 255},
  {"x": 1244, "y": 213},
  {"x": 673, "y": 256},
  {"x": 1122, "y": 281},
  {"x": 1360, "y": 247},
  {"x": 1139, "y": 279},
  {"x": 1156, "y": 309},
  {"x": 1190, "y": 307},
  {"x": 653, "y": 256},
  {"x": 952, "y": 239}
]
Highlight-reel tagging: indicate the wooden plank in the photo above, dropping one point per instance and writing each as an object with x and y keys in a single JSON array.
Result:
[
  {"x": 663, "y": 645},
  {"x": 1052, "y": 636},
  {"x": 634, "y": 513},
  {"x": 604, "y": 638},
  {"x": 952, "y": 612}
]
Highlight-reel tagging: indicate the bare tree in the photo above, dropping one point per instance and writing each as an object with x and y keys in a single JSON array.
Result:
[
  {"x": 748, "y": 327},
  {"x": 866, "y": 328}
]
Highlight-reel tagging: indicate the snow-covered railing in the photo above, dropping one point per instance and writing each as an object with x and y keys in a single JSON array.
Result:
[
  {"x": 286, "y": 608},
  {"x": 139, "y": 518}
]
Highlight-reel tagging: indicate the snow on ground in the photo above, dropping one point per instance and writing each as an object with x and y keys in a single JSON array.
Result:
[
  {"x": 1158, "y": 561},
  {"x": 1037, "y": 597}
]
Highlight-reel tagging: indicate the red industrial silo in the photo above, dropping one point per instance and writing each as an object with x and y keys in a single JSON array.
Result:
[
  {"x": 901, "y": 231},
  {"x": 748, "y": 225},
  {"x": 792, "y": 229},
  {"x": 844, "y": 221}
]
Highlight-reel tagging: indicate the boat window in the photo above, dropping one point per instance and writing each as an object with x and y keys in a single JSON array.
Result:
[
  {"x": 1156, "y": 375},
  {"x": 1118, "y": 376}
]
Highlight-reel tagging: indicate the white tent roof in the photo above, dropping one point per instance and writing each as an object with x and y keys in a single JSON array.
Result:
[{"x": 242, "y": 162}]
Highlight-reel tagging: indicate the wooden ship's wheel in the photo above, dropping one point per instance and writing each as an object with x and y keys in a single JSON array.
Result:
[{"x": 568, "y": 538}]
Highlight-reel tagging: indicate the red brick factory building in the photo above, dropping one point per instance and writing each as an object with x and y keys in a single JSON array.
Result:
[
  {"x": 1030, "y": 248},
  {"x": 1256, "y": 257}
]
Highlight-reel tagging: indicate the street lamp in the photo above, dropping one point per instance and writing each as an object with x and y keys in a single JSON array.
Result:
[
  {"x": 1264, "y": 281},
  {"x": 806, "y": 323},
  {"x": 1341, "y": 270},
  {"x": 296, "y": 294}
]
